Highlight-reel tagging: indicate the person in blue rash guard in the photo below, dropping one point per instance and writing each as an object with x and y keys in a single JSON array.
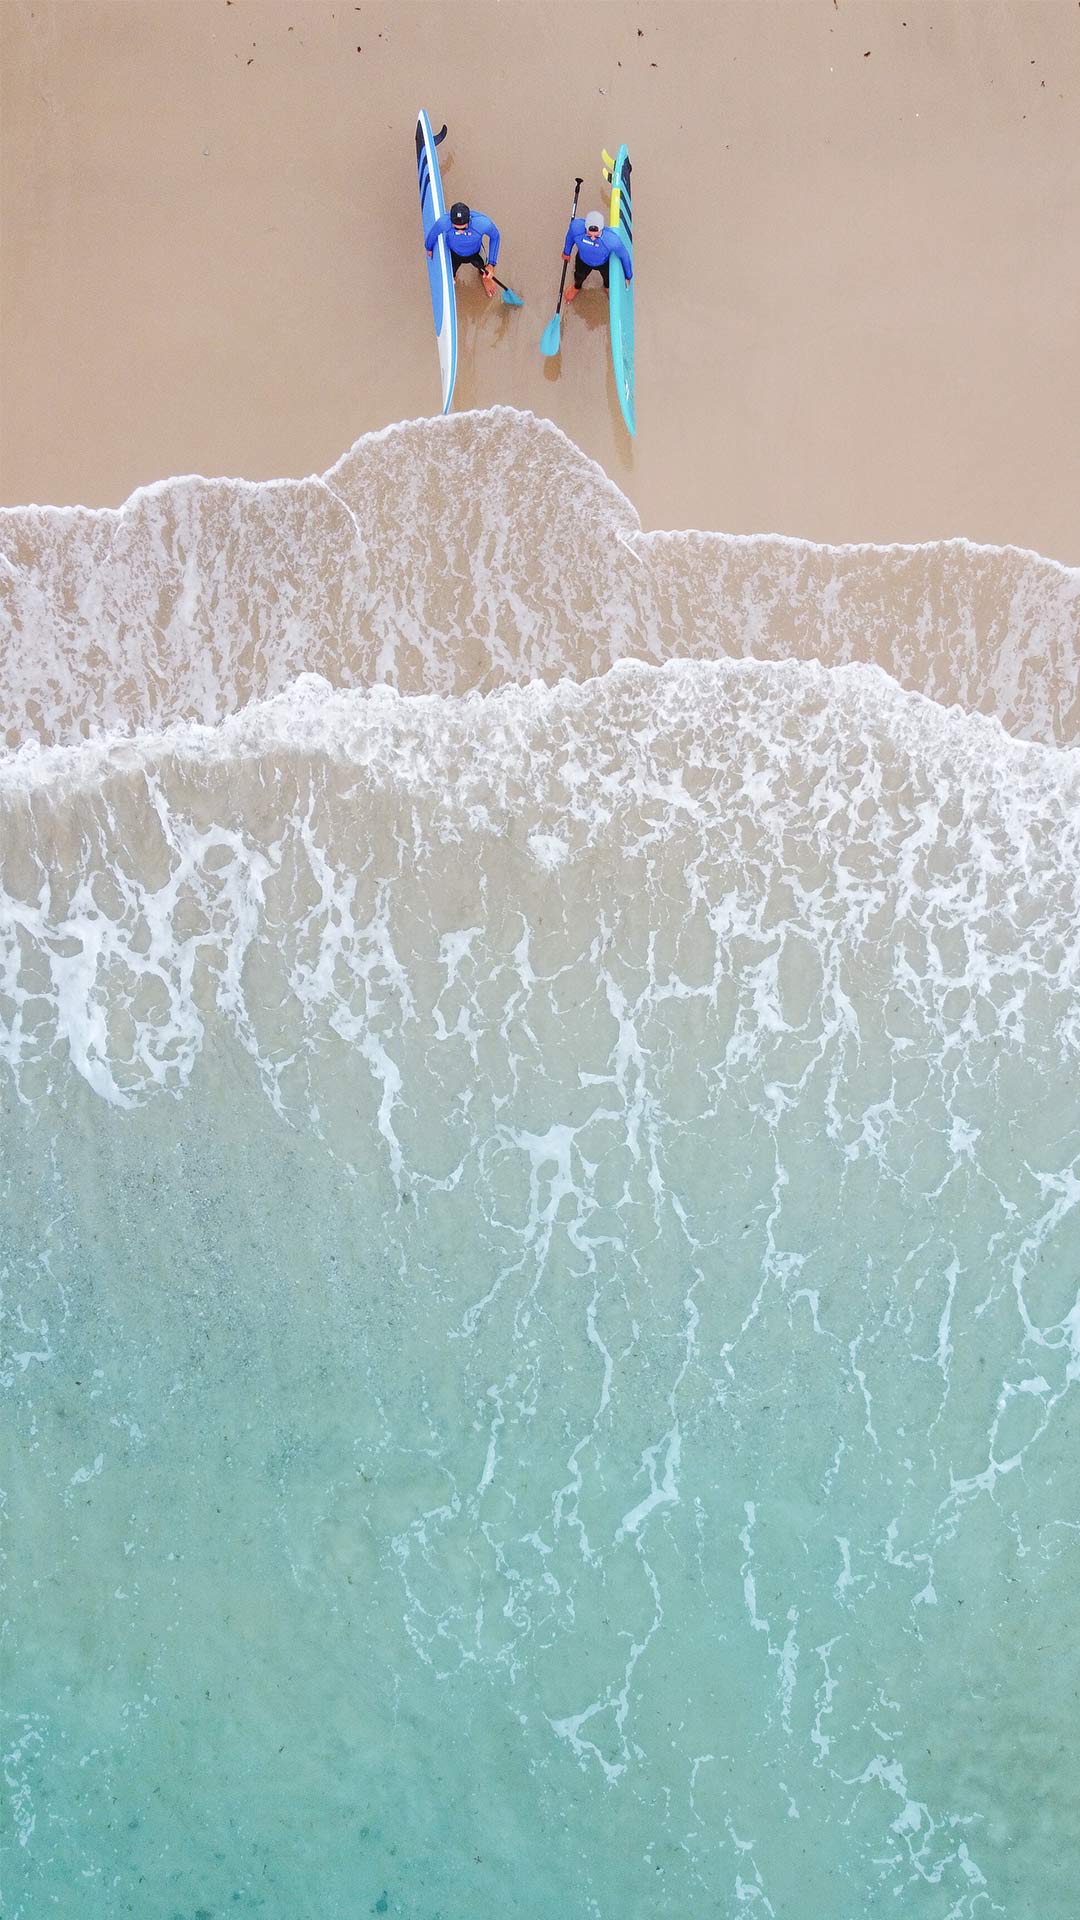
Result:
[
  {"x": 465, "y": 230},
  {"x": 595, "y": 245}
]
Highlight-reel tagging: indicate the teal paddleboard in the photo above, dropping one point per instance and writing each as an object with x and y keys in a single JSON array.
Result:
[{"x": 621, "y": 293}]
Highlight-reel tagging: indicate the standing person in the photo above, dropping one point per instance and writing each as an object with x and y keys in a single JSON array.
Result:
[
  {"x": 595, "y": 245},
  {"x": 465, "y": 230}
]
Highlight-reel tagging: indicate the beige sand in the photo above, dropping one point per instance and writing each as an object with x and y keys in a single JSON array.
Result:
[{"x": 858, "y": 247}]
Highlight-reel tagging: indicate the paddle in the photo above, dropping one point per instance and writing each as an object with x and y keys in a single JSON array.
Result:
[{"x": 550, "y": 341}]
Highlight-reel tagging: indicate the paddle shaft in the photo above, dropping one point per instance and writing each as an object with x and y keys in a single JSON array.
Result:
[{"x": 566, "y": 263}]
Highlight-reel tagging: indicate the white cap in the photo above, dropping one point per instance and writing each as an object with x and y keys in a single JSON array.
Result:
[{"x": 594, "y": 219}]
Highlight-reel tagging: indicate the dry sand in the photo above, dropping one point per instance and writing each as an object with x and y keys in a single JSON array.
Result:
[{"x": 858, "y": 231}]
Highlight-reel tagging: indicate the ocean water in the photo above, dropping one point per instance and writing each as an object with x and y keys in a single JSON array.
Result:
[{"x": 540, "y": 1237}]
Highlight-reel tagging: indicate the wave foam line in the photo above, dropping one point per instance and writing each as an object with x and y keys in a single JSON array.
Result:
[{"x": 460, "y": 554}]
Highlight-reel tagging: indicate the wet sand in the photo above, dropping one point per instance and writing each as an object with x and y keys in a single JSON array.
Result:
[{"x": 858, "y": 252}]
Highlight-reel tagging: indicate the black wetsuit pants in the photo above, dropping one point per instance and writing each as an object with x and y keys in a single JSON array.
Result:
[
  {"x": 467, "y": 260},
  {"x": 582, "y": 271}
]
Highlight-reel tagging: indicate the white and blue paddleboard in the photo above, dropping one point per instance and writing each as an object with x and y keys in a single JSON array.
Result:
[
  {"x": 621, "y": 295},
  {"x": 440, "y": 274}
]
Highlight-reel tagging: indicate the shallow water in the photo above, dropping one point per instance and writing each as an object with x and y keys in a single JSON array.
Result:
[{"x": 542, "y": 1144}]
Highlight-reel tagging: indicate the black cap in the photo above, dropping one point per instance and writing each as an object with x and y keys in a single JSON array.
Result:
[{"x": 459, "y": 214}]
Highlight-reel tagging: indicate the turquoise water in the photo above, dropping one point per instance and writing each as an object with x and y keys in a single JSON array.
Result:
[{"x": 540, "y": 1177}]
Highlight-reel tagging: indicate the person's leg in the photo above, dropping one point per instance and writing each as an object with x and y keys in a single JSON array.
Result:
[
  {"x": 470, "y": 260},
  {"x": 582, "y": 271},
  {"x": 605, "y": 272}
]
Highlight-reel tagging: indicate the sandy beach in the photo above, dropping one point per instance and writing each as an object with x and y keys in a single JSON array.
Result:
[{"x": 858, "y": 257}]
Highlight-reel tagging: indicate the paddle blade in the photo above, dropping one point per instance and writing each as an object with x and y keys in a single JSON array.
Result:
[
  {"x": 549, "y": 344},
  {"x": 511, "y": 299}
]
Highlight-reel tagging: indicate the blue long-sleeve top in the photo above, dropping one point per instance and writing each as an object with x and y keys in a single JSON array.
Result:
[
  {"x": 595, "y": 252},
  {"x": 466, "y": 241}
]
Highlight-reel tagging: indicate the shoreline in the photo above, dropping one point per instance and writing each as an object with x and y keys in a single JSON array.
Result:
[
  {"x": 196, "y": 575},
  {"x": 148, "y": 488}
]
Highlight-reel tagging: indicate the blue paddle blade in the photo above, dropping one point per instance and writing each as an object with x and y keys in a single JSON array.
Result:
[
  {"x": 550, "y": 342},
  {"x": 511, "y": 299}
]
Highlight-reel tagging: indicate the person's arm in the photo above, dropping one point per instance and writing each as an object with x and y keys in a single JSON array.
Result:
[
  {"x": 573, "y": 233},
  {"x": 484, "y": 225},
  {"x": 441, "y": 225},
  {"x": 618, "y": 246}
]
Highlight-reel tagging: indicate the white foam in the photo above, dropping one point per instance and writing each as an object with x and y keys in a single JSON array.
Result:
[{"x": 459, "y": 554}]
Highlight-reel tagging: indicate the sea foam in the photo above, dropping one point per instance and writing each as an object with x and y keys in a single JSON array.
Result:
[{"x": 463, "y": 554}]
